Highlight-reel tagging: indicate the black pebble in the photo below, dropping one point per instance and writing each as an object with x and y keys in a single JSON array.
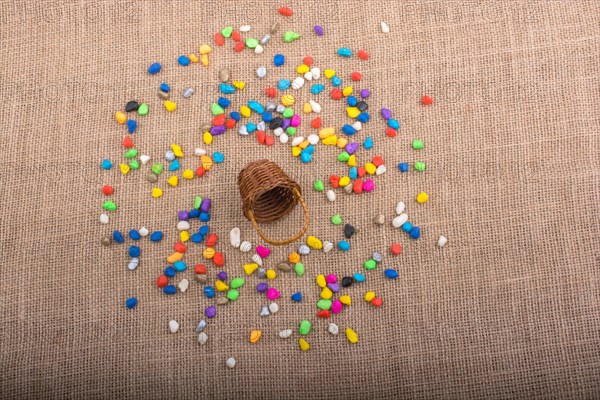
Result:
[
  {"x": 349, "y": 231},
  {"x": 347, "y": 281},
  {"x": 132, "y": 106},
  {"x": 276, "y": 123},
  {"x": 362, "y": 106}
]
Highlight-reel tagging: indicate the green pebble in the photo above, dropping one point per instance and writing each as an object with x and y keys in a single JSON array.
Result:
[
  {"x": 420, "y": 166},
  {"x": 371, "y": 264},
  {"x": 131, "y": 153},
  {"x": 157, "y": 168},
  {"x": 109, "y": 205},
  {"x": 324, "y": 304},
  {"x": 290, "y": 36},
  {"x": 344, "y": 156},
  {"x": 227, "y": 31},
  {"x": 318, "y": 185},
  {"x": 336, "y": 219},
  {"x": 251, "y": 43},
  {"x": 305, "y": 326},
  {"x": 288, "y": 113},
  {"x": 143, "y": 109},
  {"x": 134, "y": 164},
  {"x": 299, "y": 268},
  {"x": 291, "y": 131},
  {"x": 417, "y": 144},
  {"x": 197, "y": 202},
  {"x": 237, "y": 282},
  {"x": 233, "y": 295},
  {"x": 216, "y": 109}
]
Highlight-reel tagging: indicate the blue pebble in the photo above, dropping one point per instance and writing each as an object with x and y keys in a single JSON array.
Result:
[
  {"x": 344, "y": 245},
  {"x": 134, "y": 251},
  {"x": 359, "y": 278},
  {"x": 197, "y": 238},
  {"x": 250, "y": 127},
  {"x": 363, "y": 117},
  {"x": 154, "y": 68},
  {"x": 236, "y": 116},
  {"x": 348, "y": 129},
  {"x": 415, "y": 232},
  {"x": 204, "y": 230},
  {"x": 226, "y": 89},
  {"x": 353, "y": 173},
  {"x": 336, "y": 81},
  {"x": 278, "y": 60},
  {"x": 218, "y": 157},
  {"x": 368, "y": 143},
  {"x": 391, "y": 273},
  {"x": 169, "y": 272},
  {"x": 305, "y": 157},
  {"x": 131, "y": 125},
  {"x": 345, "y": 52},
  {"x": 310, "y": 149},
  {"x": 184, "y": 61},
  {"x": 317, "y": 88},
  {"x": 170, "y": 289},
  {"x": 403, "y": 167},
  {"x": 393, "y": 123},
  {"x": 256, "y": 106},
  {"x": 174, "y": 166},
  {"x": 106, "y": 164},
  {"x": 194, "y": 213},
  {"x": 118, "y": 237},
  {"x": 407, "y": 226},
  {"x": 130, "y": 303},
  {"x": 209, "y": 292},
  {"x": 223, "y": 102},
  {"x": 297, "y": 297},
  {"x": 267, "y": 117},
  {"x": 284, "y": 84},
  {"x": 204, "y": 217},
  {"x": 352, "y": 101},
  {"x": 156, "y": 236},
  {"x": 165, "y": 88},
  {"x": 135, "y": 235},
  {"x": 179, "y": 266}
]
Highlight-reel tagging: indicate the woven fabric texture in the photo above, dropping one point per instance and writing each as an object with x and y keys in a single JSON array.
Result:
[{"x": 508, "y": 309}]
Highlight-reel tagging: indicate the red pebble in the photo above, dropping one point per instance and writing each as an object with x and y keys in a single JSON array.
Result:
[
  {"x": 107, "y": 190},
  {"x": 128, "y": 142},
  {"x": 357, "y": 186},
  {"x": 361, "y": 171},
  {"x": 426, "y": 100},
  {"x": 270, "y": 140},
  {"x": 230, "y": 123},
  {"x": 396, "y": 249},
  {"x": 212, "y": 240},
  {"x": 219, "y": 120},
  {"x": 286, "y": 11},
  {"x": 334, "y": 180},
  {"x": 239, "y": 46},
  {"x": 377, "y": 301},
  {"x": 219, "y": 259},
  {"x": 261, "y": 137},
  {"x": 235, "y": 35},
  {"x": 179, "y": 247},
  {"x": 162, "y": 281},
  {"x": 308, "y": 60},
  {"x": 271, "y": 92},
  {"x": 200, "y": 171},
  {"x": 391, "y": 132},
  {"x": 219, "y": 39},
  {"x": 200, "y": 269},
  {"x": 336, "y": 94},
  {"x": 323, "y": 314},
  {"x": 316, "y": 123},
  {"x": 377, "y": 161},
  {"x": 363, "y": 55},
  {"x": 356, "y": 76}
]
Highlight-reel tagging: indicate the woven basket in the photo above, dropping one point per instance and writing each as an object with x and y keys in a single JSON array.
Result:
[{"x": 268, "y": 195}]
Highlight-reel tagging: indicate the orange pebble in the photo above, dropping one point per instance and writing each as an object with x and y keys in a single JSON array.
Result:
[
  {"x": 356, "y": 76},
  {"x": 219, "y": 259},
  {"x": 396, "y": 249},
  {"x": 212, "y": 240},
  {"x": 377, "y": 161},
  {"x": 426, "y": 100},
  {"x": 357, "y": 186},
  {"x": 260, "y": 136},
  {"x": 235, "y": 35},
  {"x": 391, "y": 132},
  {"x": 363, "y": 55},
  {"x": 323, "y": 314},
  {"x": 219, "y": 120},
  {"x": 308, "y": 60},
  {"x": 200, "y": 269},
  {"x": 230, "y": 123},
  {"x": 239, "y": 46},
  {"x": 200, "y": 171},
  {"x": 180, "y": 247},
  {"x": 377, "y": 301},
  {"x": 336, "y": 94},
  {"x": 286, "y": 11},
  {"x": 128, "y": 142},
  {"x": 334, "y": 180},
  {"x": 316, "y": 123},
  {"x": 219, "y": 39},
  {"x": 361, "y": 171},
  {"x": 270, "y": 140},
  {"x": 271, "y": 92}
]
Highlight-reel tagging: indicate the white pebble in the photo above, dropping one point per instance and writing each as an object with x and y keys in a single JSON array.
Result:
[
  {"x": 133, "y": 264},
  {"x": 256, "y": 258},
  {"x": 333, "y": 328},
  {"x": 169, "y": 155},
  {"x": 264, "y": 311},
  {"x": 173, "y": 326},
  {"x": 261, "y": 71},
  {"x": 298, "y": 83},
  {"x": 104, "y": 218},
  {"x": 286, "y": 333},
  {"x": 273, "y": 307},
  {"x": 442, "y": 241},
  {"x": 357, "y": 125},
  {"x": 245, "y": 246},
  {"x": 266, "y": 39},
  {"x": 380, "y": 170},
  {"x": 270, "y": 107},
  {"x": 313, "y": 139},
  {"x": 200, "y": 152},
  {"x": 183, "y": 226},
  {"x": 303, "y": 249},
  {"x": 188, "y": 92},
  {"x": 327, "y": 246},
  {"x": 202, "y": 338},
  {"x": 230, "y": 362},
  {"x": 316, "y": 107},
  {"x": 259, "y": 49},
  {"x": 234, "y": 237},
  {"x": 400, "y": 207},
  {"x": 330, "y": 195},
  {"x": 183, "y": 285},
  {"x": 278, "y": 131},
  {"x": 399, "y": 220},
  {"x": 384, "y": 27},
  {"x": 284, "y": 139},
  {"x": 308, "y": 76},
  {"x": 316, "y": 73},
  {"x": 201, "y": 325},
  {"x": 144, "y": 159},
  {"x": 261, "y": 126},
  {"x": 280, "y": 108},
  {"x": 245, "y": 28},
  {"x": 144, "y": 231},
  {"x": 243, "y": 130},
  {"x": 297, "y": 140}
]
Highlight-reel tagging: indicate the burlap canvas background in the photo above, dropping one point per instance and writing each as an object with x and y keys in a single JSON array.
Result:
[{"x": 509, "y": 309}]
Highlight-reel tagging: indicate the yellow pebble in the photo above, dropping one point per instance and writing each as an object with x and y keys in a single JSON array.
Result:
[
  {"x": 239, "y": 85},
  {"x": 124, "y": 168},
  {"x": 245, "y": 111},
  {"x": 193, "y": 58},
  {"x": 255, "y": 336},
  {"x": 184, "y": 236},
  {"x": 351, "y": 335},
  {"x": 344, "y": 181},
  {"x": 208, "y": 253},
  {"x": 207, "y": 162},
  {"x": 369, "y": 296},
  {"x": 422, "y": 198},
  {"x": 370, "y": 168},
  {"x": 345, "y": 300},
  {"x": 250, "y": 268},
  {"x": 352, "y": 112},
  {"x": 271, "y": 274},
  {"x": 177, "y": 256},
  {"x": 307, "y": 108},
  {"x": 157, "y": 192},
  {"x": 205, "y": 49},
  {"x": 207, "y": 138},
  {"x": 188, "y": 174},
  {"x": 302, "y": 69},
  {"x": 321, "y": 281},
  {"x": 341, "y": 143},
  {"x": 314, "y": 242},
  {"x": 170, "y": 106},
  {"x": 326, "y": 293},
  {"x": 173, "y": 181},
  {"x": 204, "y": 60},
  {"x": 177, "y": 150},
  {"x": 304, "y": 144},
  {"x": 303, "y": 344},
  {"x": 288, "y": 100},
  {"x": 296, "y": 151},
  {"x": 325, "y": 132},
  {"x": 330, "y": 140},
  {"x": 347, "y": 91},
  {"x": 121, "y": 117},
  {"x": 352, "y": 161},
  {"x": 329, "y": 73},
  {"x": 221, "y": 286},
  {"x": 294, "y": 258}
]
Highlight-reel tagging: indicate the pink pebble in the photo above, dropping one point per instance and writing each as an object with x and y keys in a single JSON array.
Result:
[
  {"x": 295, "y": 120},
  {"x": 336, "y": 306},
  {"x": 369, "y": 185},
  {"x": 272, "y": 294},
  {"x": 263, "y": 252},
  {"x": 331, "y": 278}
]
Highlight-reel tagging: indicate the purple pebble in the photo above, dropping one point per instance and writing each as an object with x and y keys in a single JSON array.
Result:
[
  {"x": 364, "y": 93},
  {"x": 210, "y": 312},
  {"x": 205, "y": 206},
  {"x": 386, "y": 114},
  {"x": 286, "y": 123},
  {"x": 183, "y": 215},
  {"x": 262, "y": 287},
  {"x": 318, "y": 30},
  {"x": 334, "y": 287},
  {"x": 222, "y": 275},
  {"x": 217, "y": 130},
  {"x": 352, "y": 147}
]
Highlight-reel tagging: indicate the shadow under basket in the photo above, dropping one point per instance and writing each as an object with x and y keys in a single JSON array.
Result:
[{"x": 268, "y": 195}]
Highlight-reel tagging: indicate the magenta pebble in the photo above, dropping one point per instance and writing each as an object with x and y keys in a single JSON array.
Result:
[
  {"x": 262, "y": 251},
  {"x": 272, "y": 294}
]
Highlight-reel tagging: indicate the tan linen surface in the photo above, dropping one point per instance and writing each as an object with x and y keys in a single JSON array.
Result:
[{"x": 509, "y": 309}]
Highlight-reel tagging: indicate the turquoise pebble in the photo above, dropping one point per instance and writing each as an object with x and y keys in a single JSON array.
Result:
[
  {"x": 174, "y": 166},
  {"x": 283, "y": 84},
  {"x": 250, "y": 127},
  {"x": 391, "y": 273},
  {"x": 132, "y": 302},
  {"x": 393, "y": 123},
  {"x": 336, "y": 81},
  {"x": 368, "y": 144},
  {"x": 344, "y": 245},
  {"x": 297, "y": 297},
  {"x": 218, "y": 157},
  {"x": 256, "y": 106},
  {"x": 345, "y": 52},
  {"x": 359, "y": 278},
  {"x": 406, "y": 227},
  {"x": 179, "y": 266},
  {"x": 106, "y": 164},
  {"x": 226, "y": 89},
  {"x": 317, "y": 88},
  {"x": 353, "y": 173}
]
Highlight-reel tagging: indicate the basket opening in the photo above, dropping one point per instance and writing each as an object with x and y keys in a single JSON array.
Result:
[{"x": 274, "y": 204}]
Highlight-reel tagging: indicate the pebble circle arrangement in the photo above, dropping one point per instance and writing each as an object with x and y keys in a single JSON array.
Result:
[{"x": 278, "y": 118}]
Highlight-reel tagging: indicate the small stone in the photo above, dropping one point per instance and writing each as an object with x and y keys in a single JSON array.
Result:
[
  {"x": 201, "y": 325},
  {"x": 183, "y": 285},
  {"x": 133, "y": 264},
  {"x": 264, "y": 311},
  {"x": 230, "y": 362},
  {"x": 106, "y": 241},
  {"x": 104, "y": 218},
  {"x": 380, "y": 219},
  {"x": 285, "y": 267},
  {"x": 261, "y": 72},
  {"x": 273, "y": 307},
  {"x": 202, "y": 338},
  {"x": 224, "y": 75},
  {"x": 384, "y": 27},
  {"x": 188, "y": 92},
  {"x": 349, "y": 231},
  {"x": 442, "y": 241},
  {"x": 173, "y": 326},
  {"x": 333, "y": 329},
  {"x": 286, "y": 333},
  {"x": 274, "y": 28}
]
